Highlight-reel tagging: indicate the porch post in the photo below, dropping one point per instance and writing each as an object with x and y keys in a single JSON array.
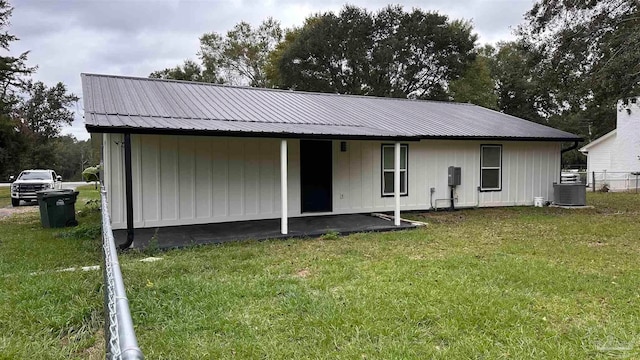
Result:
[
  {"x": 396, "y": 184},
  {"x": 284, "y": 226}
]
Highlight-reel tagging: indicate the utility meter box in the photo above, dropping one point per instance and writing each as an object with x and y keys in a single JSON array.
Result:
[{"x": 455, "y": 175}]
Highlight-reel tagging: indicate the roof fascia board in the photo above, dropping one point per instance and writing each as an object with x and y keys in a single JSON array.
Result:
[
  {"x": 503, "y": 138},
  {"x": 120, "y": 130}
]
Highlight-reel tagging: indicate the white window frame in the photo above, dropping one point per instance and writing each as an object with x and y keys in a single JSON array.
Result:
[
  {"x": 482, "y": 167},
  {"x": 405, "y": 170}
]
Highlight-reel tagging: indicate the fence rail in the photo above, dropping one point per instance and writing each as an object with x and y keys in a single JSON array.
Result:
[
  {"x": 121, "y": 342},
  {"x": 606, "y": 180}
]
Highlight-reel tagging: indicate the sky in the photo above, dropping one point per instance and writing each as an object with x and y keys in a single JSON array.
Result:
[{"x": 136, "y": 37}]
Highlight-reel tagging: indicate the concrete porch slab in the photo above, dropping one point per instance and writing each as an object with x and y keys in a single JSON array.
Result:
[{"x": 310, "y": 226}]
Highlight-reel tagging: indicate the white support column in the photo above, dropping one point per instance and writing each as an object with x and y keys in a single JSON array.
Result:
[
  {"x": 396, "y": 184},
  {"x": 284, "y": 225}
]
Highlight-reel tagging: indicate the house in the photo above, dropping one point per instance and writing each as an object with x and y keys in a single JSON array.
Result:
[
  {"x": 181, "y": 153},
  {"x": 613, "y": 158}
]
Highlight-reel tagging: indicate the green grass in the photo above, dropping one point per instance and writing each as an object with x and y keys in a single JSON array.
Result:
[
  {"x": 46, "y": 314},
  {"x": 522, "y": 283},
  {"x": 5, "y": 196}
]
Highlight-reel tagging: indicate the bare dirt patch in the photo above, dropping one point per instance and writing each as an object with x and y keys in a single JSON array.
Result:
[
  {"x": 596, "y": 244},
  {"x": 97, "y": 350},
  {"x": 8, "y": 211},
  {"x": 303, "y": 273}
]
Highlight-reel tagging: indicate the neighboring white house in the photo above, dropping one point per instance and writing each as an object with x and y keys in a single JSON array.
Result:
[
  {"x": 615, "y": 156},
  {"x": 205, "y": 153}
]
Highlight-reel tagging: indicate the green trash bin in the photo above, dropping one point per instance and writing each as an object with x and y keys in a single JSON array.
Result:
[{"x": 57, "y": 207}]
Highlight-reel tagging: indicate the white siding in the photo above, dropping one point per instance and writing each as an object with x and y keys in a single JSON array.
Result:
[
  {"x": 528, "y": 170},
  {"x": 599, "y": 157},
  {"x": 180, "y": 180},
  {"x": 618, "y": 154},
  {"x": 193, "y": 180},
  {"x": 625, "y": 153}
]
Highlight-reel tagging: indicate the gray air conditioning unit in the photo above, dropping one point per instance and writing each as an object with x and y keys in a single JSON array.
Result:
[{"x": 569, "y": 194}]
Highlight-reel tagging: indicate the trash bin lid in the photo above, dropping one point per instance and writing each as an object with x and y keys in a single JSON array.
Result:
[{"x": 54, "y": 193}]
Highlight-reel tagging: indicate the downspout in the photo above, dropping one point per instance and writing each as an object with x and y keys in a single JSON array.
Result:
[
  {"x": 572, "y": 147},
  {"x": 452, "y": 207},
  {"x": 128, "y": 184}
]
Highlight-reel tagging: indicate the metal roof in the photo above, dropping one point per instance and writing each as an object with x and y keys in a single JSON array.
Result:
[{"x": 119, "y": 104}]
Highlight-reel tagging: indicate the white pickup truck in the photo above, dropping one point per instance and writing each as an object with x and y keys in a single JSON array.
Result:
[{"x": 31, "y": 181}]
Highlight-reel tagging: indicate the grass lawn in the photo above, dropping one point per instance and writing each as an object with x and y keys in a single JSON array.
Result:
[
  {"x": 522, "y": 283},
  {"x": 46, "y": 314},
  {"x": 5, "y": 196}
]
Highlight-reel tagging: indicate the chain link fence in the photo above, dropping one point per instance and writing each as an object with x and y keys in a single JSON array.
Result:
[
  {"x": 613, "y": 181},
  {"x": 121, "y": 342}
]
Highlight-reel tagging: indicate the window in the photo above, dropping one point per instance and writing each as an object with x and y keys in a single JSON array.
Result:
[
  {"x": 491, "y": 167},
  {"x": 388, "y": 157}
]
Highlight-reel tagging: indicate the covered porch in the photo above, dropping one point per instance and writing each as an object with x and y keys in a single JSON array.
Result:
[{"x": 210, "y": 185}]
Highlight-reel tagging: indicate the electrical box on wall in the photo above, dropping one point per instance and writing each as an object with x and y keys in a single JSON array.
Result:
[{"x": 455, "y": 175}]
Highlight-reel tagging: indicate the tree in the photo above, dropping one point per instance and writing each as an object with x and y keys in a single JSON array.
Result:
[
  {"x": 521, "y": 89},
  {"x": 590, "y": 55},
  {"x": 328, "y": 54},
  {"x": 44, "y": 110},
  {"x": 188, "y": 71},
  {"x": 241, "y": 56},
  {"x": 40, "y": 115},
  {"x": 390, "y": 53},
  {"x": 476, "y": 85},
  {"x": 13, "y": 73},
  {"x": 71, "y": 157},
  {"x": 271, "y": 70}
]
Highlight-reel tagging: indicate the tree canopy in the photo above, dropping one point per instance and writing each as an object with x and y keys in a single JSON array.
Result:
[
  {"x": 188, "y": 71},
  {"x": 241, "y": 56},
  {"x": 390, "y": 53},
  {"x": 476, "y": 85},
  {"x": 589, "y": 59},
  {"x": 238, "y": 57},
  {"x": 31, "y": 113}
]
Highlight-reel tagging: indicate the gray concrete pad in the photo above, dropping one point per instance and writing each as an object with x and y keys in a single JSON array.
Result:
[
  {"x": 310, "y": 226},
  {"x": 571, "y": 206}
]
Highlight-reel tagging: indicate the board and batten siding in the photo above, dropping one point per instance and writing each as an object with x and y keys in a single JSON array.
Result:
[
  {"x": 181, "y": 180},
  {"x": 528, "y": 170}
]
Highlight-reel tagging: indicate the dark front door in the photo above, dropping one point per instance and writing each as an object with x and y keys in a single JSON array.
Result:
[{"x": 316, "y": 175}]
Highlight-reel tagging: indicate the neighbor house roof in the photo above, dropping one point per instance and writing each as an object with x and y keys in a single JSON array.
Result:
[
  {"x": 141, "y": 105},
  {"x": 585, "y": 149}
]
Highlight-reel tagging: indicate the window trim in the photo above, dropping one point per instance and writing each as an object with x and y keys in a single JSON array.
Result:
[
  {"x": 499, "y": 188},
  {"x": 406, "y": 171}
]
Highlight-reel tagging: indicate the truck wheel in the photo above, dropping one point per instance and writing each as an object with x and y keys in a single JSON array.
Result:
[{"x": 15, "y": 202}]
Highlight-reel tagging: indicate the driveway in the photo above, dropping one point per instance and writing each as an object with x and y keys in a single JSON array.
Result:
[{"x": 31, "y": 207}]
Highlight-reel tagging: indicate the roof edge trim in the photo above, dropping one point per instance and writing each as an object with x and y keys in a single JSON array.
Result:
[
  {"x": 149, "y": 131},
  {"x": 247, "y": 134}
]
